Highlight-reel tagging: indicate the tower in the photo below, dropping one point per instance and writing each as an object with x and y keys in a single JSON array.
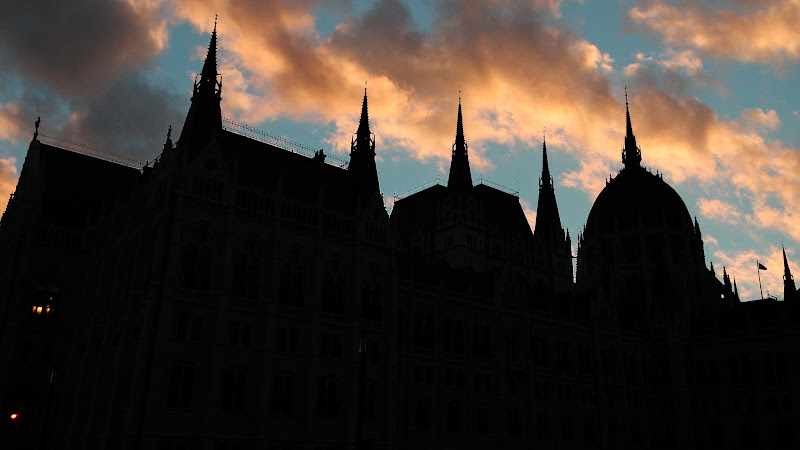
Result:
[
  {"x": 362, "y": 154},
  {"x": 460, "y": 176},
  {"x": 204, "y": 119},
  {"x": 552, "y": 246}
]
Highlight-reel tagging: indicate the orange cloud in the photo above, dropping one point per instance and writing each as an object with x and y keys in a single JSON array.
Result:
[
  {"x": 8, "y": 180},
  {"x": 753, "y": 31},
  {"x": 742, "y": 266},
  {"x": 718, "y": 210},
  {"x": 518, "y": 68}
]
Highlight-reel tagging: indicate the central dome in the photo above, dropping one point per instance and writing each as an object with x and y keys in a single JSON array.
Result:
[
  {"x": 637, "y": 199},
  {"x": 639, "y": 248}
]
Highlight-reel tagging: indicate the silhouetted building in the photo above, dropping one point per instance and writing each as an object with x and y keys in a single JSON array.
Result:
[{"x": 240, "y": 295}]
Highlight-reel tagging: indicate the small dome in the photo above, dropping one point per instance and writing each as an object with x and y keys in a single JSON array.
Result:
[{"x": 637, "y": 199}]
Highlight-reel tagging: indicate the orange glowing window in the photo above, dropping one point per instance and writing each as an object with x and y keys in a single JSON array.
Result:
[{"x": 14, "y": 416}]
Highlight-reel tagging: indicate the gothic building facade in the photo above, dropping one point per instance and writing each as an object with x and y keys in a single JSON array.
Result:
[{"x": 236, "y": 295}]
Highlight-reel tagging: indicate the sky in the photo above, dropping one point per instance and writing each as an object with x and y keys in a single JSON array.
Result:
[{"x": 712, "y": 86}]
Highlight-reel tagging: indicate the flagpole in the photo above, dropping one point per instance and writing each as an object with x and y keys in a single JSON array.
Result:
[{"x": 759, "y": 279}]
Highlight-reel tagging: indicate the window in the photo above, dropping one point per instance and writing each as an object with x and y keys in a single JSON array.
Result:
[
  {"x": 246, "y": 271},
  {"x": 43, "y": 304},
  {"x": 287, "y": 340},
  {"x": 514, "y": 422},
  {"x": 189, "y": 327},
  {"x": 423, "y": 414},
  {"x": 179, "y": 386},
  {"x": 195, "y": 267},
  {"x": 332, "y": 290},
  {"x": 330, "y": 346},
  {"x": 454, "y": 416},
  {"x": 482, "y": 419},
  {"x": 327, "y": 404},
  {"x": 233, "y": 387},
  {"x": 239, "y": 334},
  {"x": 282, "y": 394}
]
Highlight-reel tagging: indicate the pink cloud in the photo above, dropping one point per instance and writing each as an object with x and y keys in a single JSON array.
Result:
[{"x": 753, "y": 31}]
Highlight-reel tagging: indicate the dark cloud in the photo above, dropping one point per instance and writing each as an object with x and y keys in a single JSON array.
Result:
[
  {"x": 130, "y": 119},
  {"x": 79, "y": 45}
]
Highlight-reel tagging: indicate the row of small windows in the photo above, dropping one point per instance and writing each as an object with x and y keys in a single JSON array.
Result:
[
  {"x": 456, "y": 415},
  {"x": 57, "y": 238},
  {"x": 195, "y": 274},
  {"x": 424, "y": 335},
  {"x": 254, "y": 202},
  {"x": 181, "y": 383}
]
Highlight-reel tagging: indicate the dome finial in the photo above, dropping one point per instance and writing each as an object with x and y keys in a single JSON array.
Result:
[{"x": 631, "y": 154}]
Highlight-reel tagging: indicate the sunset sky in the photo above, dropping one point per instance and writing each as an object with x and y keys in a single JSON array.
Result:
[{"x": 714, "y": 91}]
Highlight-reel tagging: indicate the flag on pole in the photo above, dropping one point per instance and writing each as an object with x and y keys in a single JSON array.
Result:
[{"x": 761, "y": 266}]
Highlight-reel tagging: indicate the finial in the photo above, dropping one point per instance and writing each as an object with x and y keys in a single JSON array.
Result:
[
  {"x": 459, "y": 95},
  {"x": 36, "y": 124},
  {"x": 169, "y": 132},
  {"x": 626, "y": 95},
  {"x": 216, "y": 16}
]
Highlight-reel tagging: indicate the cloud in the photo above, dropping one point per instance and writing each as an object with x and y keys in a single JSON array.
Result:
[
  {"x": 741, "y": 265},
  {"x": 751, "y": 31},
  {"x": 8, "y": 180},
  {"x": 518, "y": 67},
  {"x": 514, "y": 63},
  {"x": 82, "y": 45},
  {"x": 530, "y": 213},
  {"x": 718, "y": 210},
  {"x": 759, "y": 118}
]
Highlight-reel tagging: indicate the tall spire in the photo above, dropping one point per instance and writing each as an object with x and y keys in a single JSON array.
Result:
[
  {"x": 631, "y": 153},
  {"x": 546, "y": 177},
  {"x": 204, "y": 120},
  {"x": 363, "y": 124},
  {"x": 208, "y": 76},
  {"x": 789, "y": 289},
  {"x": 460, "y": 175},
  {"x": 362, "y": 153}
]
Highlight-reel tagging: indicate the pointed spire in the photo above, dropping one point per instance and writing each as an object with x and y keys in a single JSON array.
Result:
[
  {"x": 631, "y": 154},
  {"x": 204, "y": 120},
  {"x": 363, "y": 124},
  {"x": 460, "y": 141},
  {"x": 460, "y": 175},
  {"x": 735, "y": 289},
  {"x": 712, "y": 269},
  {"x": 362, "y": 153},
  {"x": 789, "y": 289},
  {"x": 546, "y": 178}
]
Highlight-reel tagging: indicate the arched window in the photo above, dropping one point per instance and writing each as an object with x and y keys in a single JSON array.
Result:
[
  {"x": 247, "y": 270},
  {"x": 327, "y": 404},
  {"x": 332, "y": 290},
  {"x": 423, "y": 414},
  {"x": 282, "y": 394},
  {"x": 458, "y": 338},
  {"x": 233, "y": 388},
  {"x": 291, "y": 290},
  {"x": 179, "y": 386},
  {"x": 454, "y": 416}
]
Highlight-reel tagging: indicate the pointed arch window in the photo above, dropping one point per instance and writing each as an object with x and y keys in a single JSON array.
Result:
[
  {"x": 327, "y": 402},
  {"x": 179, "y": 386},
  {"x": 282, "y": 391},
  {"x": 233, "y": 389},
  {"x": 247, "y": 269},
  {"x": 291, "y": 290},
  {"x": 423, "y": 414},
  {"x": 332, "y": 290}
]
